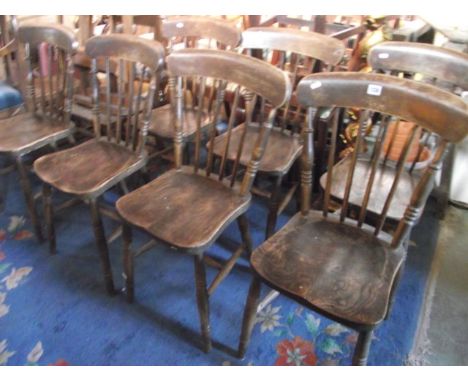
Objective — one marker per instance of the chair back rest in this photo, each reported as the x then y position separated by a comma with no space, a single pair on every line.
382,100
220,33
298,52
48,52
249,78
436,64
139,62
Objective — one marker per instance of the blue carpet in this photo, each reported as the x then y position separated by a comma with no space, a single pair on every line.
54,310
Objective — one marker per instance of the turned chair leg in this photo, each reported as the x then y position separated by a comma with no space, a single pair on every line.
49,217
245,234
102,246
273,206
361,351
29,197
128,261
249,316
202,301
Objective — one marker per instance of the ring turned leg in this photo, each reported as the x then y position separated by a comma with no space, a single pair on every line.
273,206
202,301
245,234
102,246
128,262
361,352
249,316
49,217
28,195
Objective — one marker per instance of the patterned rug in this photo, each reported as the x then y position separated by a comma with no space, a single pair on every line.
54,309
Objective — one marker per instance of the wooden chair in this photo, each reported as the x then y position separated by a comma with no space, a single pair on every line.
47,119
190,206
441,67
297,52
88,170
337,266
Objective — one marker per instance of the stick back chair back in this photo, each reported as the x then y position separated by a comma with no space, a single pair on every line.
191,30
252,78
298,52
439,66
340,267
48,65
430,109
138,61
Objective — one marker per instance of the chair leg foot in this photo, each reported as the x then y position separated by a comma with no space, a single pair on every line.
202,301
49,217
273,208
128,262
102,246
28,195
361,352
249,316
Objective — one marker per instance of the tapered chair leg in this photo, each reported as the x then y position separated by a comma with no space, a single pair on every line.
102,246
361,352
128,261
273,206
249,316
202,301
49,217
245,234
28,195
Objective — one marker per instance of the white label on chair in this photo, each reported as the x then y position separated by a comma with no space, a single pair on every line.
383,56
315,84
374,90
180,25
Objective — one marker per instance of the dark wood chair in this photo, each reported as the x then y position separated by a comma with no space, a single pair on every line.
335,265
441,67
88,170
298,53
190,206
47,119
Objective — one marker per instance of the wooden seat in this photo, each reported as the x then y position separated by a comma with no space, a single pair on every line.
189,207
25,132
335,264
281,151
163,124
382,184
88,169
177,189
351,277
